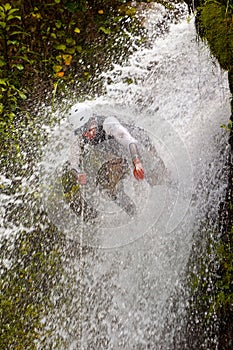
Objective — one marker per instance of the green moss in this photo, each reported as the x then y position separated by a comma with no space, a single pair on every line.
216,23
224,295
26,287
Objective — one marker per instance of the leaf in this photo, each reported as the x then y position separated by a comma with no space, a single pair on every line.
36,15
131,11
2,63
67,59
2,82
12,11
12,42
104,30
22,95
70,41
60,47
57,68
77,30
60,74
7,7
13,17
87,75
15,32
58,24
59,59
3,24
70,50
11,115
2,14
79,48
18,66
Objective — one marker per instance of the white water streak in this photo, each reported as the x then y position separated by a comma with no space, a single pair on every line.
180,97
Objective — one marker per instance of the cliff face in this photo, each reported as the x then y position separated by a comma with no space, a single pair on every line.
214,24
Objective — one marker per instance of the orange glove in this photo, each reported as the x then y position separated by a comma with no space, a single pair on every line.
138,171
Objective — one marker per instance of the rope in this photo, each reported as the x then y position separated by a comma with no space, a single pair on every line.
82,187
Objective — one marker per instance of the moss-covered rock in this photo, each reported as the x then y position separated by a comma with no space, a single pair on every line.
216,22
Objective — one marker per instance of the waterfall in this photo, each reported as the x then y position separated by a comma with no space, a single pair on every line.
133,268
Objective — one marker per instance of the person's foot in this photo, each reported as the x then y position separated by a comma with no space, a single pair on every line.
125,202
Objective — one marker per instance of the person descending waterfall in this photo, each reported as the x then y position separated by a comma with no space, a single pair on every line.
107,172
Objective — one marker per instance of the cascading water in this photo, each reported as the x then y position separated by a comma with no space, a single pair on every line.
131,269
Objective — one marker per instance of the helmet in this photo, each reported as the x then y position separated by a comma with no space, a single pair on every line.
80,114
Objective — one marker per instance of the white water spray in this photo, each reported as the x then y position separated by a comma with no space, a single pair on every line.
179,97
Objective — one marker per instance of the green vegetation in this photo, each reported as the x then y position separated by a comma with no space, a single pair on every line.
30,267
27,269
26,287
224,296
216,26
47,50
214,22
50,47
9,63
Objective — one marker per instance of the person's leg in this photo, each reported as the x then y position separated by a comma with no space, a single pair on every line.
110,178
123,200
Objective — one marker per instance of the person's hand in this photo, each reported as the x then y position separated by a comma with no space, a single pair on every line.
138,171
82,179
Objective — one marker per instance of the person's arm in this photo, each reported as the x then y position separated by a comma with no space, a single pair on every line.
113,128
75,152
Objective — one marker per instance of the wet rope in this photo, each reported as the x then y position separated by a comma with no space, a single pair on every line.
82,191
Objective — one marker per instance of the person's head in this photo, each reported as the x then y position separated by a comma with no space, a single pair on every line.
90,129
81,116
87,123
